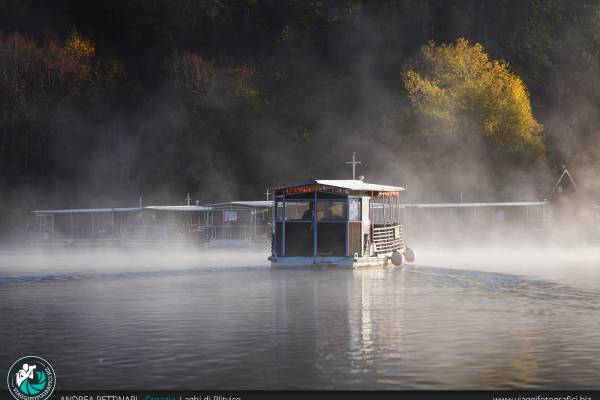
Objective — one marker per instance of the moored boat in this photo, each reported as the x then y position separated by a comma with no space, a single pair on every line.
345,223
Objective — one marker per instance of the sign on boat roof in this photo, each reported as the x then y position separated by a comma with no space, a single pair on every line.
347,184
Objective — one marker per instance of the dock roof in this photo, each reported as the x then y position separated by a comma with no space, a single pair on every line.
259,204
468,205
85,210
243,204
178,208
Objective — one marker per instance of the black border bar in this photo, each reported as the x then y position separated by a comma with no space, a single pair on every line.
201,394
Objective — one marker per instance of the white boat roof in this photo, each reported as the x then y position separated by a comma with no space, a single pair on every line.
466,205
359,185
350,184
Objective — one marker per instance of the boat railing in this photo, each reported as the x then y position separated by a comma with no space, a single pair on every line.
388,238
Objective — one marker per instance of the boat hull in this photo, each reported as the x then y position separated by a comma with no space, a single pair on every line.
338,262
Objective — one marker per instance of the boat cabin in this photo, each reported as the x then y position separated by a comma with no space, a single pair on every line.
345,222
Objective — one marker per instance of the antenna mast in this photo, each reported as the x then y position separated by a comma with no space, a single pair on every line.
354,163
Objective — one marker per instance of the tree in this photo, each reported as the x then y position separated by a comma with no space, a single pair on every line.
203,81
192,76
37,83
458,90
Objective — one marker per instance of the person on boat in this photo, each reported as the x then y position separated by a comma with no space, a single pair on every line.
308,214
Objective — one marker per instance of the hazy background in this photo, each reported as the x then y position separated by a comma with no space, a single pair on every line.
103,101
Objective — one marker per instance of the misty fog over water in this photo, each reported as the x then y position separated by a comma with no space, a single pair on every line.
459,318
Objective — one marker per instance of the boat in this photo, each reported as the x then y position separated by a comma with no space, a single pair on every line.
342,223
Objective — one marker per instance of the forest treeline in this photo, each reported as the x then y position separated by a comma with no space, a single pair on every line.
103,101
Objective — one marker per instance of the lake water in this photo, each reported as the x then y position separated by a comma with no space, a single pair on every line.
213,323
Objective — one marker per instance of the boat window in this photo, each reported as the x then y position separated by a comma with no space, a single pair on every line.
299,210
331,210
354,209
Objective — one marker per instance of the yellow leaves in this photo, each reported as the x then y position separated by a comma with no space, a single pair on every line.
81,51
81,48
428,98
456,88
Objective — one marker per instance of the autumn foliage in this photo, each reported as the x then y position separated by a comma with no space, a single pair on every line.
457,89
198,79
192,75
51,73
